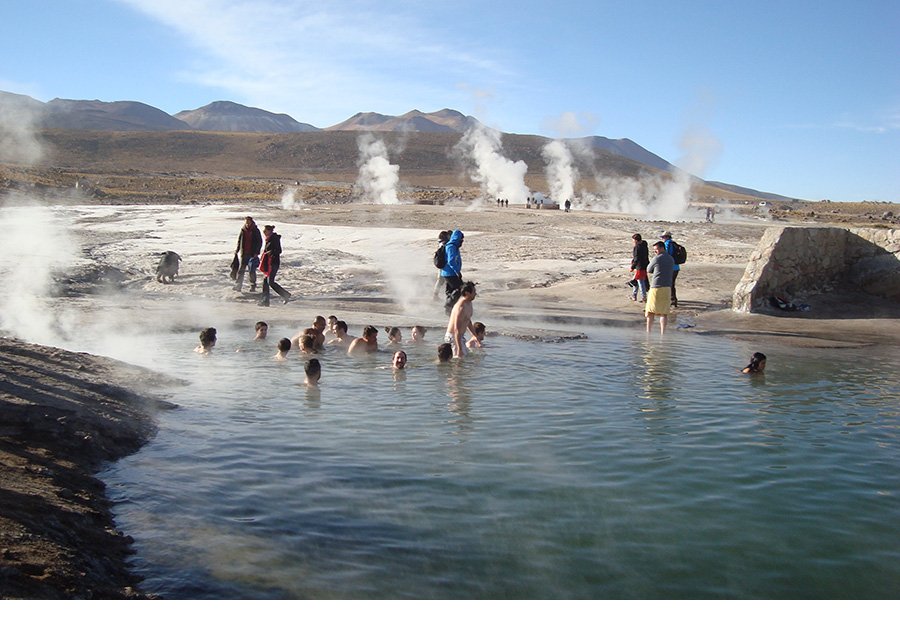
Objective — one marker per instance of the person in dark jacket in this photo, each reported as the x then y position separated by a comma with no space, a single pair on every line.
640,258
269,264
452,271
249,244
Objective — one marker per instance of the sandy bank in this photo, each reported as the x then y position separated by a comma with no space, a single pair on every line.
64,414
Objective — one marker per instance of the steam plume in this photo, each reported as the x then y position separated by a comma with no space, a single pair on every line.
560,172
377,179
481,150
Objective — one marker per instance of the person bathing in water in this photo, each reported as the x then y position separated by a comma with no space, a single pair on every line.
313,370
461,320
477,339
366,344
207,341
284,346
757,363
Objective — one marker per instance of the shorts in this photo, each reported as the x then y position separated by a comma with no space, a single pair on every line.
659,300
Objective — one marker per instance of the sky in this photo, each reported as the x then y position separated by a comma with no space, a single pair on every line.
795,97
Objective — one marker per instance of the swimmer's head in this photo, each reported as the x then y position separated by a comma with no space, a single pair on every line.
370,332
340,327
208,337
445,352
284,345
479,329
307,343
262,329
417,333
313,369
757,363
319,323
394,334
399,360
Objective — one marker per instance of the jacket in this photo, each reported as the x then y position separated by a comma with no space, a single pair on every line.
670,248
454,260
271,256
256,241
640,256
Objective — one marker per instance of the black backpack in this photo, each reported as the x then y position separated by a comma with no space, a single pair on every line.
440,257
680,254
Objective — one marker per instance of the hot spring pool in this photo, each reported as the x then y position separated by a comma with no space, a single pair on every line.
620,466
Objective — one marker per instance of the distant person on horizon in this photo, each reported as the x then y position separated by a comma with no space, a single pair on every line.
452,271
757,363
249,244
461,320
269,264
660,298
207,341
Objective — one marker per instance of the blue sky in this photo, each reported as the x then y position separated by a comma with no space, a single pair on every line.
800,98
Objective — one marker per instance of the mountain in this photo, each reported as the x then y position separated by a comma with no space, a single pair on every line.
733,188
626,148
445,120
97,115
224,116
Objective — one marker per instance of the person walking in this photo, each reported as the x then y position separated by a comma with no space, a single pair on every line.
249,244
659,300
269,264
452,271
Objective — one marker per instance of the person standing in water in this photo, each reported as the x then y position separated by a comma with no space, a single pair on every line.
269,264
249,244
660,299
461,320
452,271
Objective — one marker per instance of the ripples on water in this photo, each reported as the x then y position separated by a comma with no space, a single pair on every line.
615,467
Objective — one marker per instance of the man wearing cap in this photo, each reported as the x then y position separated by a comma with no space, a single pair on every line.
660,297
670,250
249,245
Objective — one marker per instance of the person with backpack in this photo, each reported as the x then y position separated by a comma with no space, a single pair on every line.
452,270
679,255
440,260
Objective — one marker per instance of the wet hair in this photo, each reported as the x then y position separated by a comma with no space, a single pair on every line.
261,324
208,337
332,318
313,367
307,342
392,332
444,236
468,287
420,329
341,325
397,353
755,360
445,352
284,345
370,331
320,319
478,327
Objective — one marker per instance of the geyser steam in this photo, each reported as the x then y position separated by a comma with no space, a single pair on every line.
481,150
378,179
560,171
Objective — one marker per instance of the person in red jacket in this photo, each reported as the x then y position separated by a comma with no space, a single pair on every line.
269,263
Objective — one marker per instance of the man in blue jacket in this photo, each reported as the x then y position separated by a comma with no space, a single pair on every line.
670,249
452,271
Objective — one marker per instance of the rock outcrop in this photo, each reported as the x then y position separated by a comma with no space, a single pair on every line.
792,262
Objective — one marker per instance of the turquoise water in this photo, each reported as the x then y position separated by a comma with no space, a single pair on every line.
613,467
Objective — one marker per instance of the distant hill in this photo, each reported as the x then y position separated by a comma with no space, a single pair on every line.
445,120
224,116
745,191
97,115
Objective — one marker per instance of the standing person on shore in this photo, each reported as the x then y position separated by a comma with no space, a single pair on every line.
670,250
640,258
660,299
441,253
269,264
452,271
249,244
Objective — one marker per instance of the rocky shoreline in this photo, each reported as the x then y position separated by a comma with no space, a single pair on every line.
64,415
